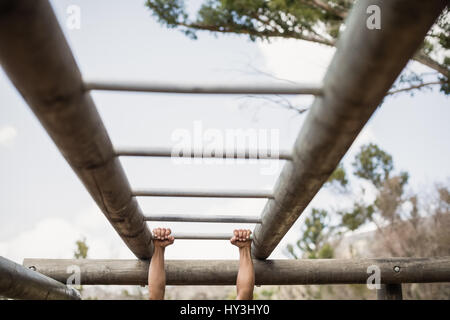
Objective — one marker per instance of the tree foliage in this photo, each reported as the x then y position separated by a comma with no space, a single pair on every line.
318,21
315,236
377,167
339,176
81,251
256,18
373,164
356,216
405,225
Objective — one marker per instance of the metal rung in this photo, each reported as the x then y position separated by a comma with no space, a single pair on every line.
200,218
203,236
205,193
204,88
167,152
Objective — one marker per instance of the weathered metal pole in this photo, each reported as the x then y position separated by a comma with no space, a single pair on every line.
365,65
275,88
201,193
390,291
203,236
225,154
203,218
36,57
268,272
18,282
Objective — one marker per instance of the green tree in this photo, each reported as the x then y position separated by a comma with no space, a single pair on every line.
373,164
339,177
405,226
81,251
377,167
316,232
318,21
356,216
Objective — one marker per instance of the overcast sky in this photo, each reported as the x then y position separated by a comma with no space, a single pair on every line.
43,206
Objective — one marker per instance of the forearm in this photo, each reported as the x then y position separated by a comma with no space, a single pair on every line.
157,275
246,275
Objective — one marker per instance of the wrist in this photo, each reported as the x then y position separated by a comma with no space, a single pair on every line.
244,250
159,249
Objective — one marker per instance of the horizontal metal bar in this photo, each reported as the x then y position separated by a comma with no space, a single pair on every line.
285,89
168,152
202,193
18,282
267,272
203,218
203,236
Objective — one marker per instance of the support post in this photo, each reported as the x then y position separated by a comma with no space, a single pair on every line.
365,65
18,282
390,291
37,59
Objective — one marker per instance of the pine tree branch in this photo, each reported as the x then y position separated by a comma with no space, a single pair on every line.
429,62
318,39
264,34
322,5
420,57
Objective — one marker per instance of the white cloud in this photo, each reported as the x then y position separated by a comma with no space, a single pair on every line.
7,135
54,238
50,238
296,60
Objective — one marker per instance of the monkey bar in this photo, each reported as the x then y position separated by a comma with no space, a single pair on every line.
36,57
267,272
233,154
185,217
203,236
201,193
18,282
285,89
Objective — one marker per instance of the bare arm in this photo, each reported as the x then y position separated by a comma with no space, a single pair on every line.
156,272
246,275
157,275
